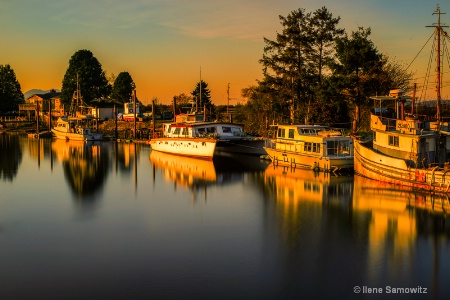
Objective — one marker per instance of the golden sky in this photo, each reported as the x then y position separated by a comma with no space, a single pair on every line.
163,44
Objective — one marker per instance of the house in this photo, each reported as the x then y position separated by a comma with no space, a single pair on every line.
42,101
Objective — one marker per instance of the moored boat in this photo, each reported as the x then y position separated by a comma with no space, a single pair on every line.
74,129
407,150
191,128
77,125
311,147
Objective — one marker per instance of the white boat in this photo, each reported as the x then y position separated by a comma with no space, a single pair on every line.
183,139
79,122
230,137
311,147
408,151
74,129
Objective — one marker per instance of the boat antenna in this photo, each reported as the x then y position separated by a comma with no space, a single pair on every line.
438,31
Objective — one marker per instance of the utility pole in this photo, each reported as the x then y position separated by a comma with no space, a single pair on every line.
228,104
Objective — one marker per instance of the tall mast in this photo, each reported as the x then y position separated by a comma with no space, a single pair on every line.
438,30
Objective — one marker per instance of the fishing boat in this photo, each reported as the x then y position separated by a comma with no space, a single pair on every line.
78,124
314,147
71,128
408,150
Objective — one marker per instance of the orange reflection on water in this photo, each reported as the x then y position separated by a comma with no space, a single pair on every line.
184,171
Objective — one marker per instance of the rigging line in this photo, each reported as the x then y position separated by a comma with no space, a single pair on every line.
419,51
423,93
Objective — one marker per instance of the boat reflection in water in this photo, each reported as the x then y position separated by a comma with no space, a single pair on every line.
197,174
293,185
85,165
184,171
405,228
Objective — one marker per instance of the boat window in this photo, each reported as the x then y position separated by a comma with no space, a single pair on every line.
291,133
176,130
311,147
344,148
393,140
307,147
316,148
331,147
336,147
226,129
236,129
184,132
210,130
281,132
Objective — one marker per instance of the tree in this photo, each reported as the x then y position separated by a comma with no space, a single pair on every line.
201,94
183,100
10,91
85,68
294,63
356,70
123,88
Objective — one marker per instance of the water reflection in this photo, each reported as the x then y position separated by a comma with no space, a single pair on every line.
196,175
400,220
292,185
192,173
11,156
85,164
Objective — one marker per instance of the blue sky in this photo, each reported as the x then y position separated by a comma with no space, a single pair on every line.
164,43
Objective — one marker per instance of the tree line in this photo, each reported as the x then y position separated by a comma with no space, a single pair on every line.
313,72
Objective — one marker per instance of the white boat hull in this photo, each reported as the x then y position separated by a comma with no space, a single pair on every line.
193,147
77,136
301,160
376,166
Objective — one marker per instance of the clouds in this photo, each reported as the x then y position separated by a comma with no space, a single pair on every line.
203,19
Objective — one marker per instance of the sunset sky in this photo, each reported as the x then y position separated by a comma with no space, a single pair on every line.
163,44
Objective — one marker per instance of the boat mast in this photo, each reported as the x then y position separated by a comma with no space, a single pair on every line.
438,30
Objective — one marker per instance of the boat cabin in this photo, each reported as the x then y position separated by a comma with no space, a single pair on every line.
417,139
313,140
203,129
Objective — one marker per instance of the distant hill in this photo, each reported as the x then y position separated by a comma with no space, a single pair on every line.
36,91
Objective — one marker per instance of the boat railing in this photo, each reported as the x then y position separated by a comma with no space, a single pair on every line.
390,123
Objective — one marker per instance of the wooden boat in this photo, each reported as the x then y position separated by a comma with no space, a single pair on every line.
312,147
408,151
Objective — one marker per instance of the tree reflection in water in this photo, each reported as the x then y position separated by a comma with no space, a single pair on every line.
11,156
85,164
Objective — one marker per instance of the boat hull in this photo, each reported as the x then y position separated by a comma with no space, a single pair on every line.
374,165
77,136
193,147
242,146
301,160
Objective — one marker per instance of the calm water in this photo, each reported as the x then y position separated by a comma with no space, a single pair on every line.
118,221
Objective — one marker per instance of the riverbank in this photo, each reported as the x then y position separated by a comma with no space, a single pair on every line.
125,130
